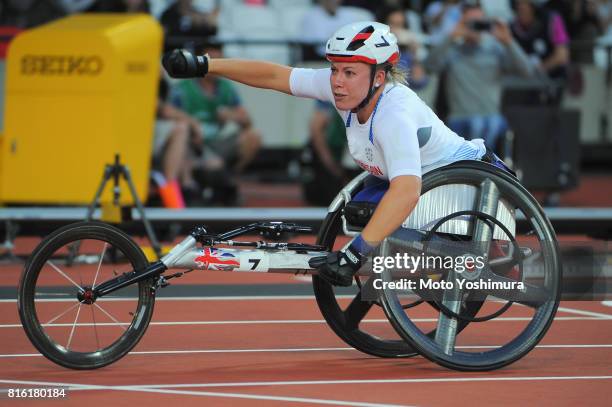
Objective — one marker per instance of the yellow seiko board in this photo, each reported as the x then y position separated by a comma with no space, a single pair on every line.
78,91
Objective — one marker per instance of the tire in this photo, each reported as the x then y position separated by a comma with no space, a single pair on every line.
37,282
511,190
339,320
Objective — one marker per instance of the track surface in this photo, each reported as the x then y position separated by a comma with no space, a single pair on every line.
262,350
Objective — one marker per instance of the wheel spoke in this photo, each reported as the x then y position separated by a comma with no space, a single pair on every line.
99,265
110,316
93,317
531,296
63,313
73,326
524,255
357,310
503,262
65,276
446,330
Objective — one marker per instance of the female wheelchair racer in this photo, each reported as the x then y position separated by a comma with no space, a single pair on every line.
464,194
391,133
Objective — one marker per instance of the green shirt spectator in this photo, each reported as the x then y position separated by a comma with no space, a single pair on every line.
192,98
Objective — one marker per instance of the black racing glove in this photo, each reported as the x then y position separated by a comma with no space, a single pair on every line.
181,63
338,268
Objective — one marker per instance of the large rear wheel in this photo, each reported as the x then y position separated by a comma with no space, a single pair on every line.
513,320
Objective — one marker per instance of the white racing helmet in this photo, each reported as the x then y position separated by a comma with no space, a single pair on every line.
364,41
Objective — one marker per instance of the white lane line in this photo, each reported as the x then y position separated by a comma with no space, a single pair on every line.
606,303
174,323
228,298
71,386
148,389
224,298
153,389
582,312
76,386
293,321
260,397
196,351
374,381
197,298
279,350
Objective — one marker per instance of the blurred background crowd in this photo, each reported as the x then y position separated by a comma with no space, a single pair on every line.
484,66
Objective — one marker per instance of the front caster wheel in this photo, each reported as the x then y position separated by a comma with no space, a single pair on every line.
58,310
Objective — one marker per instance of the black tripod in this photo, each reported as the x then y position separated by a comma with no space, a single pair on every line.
116,171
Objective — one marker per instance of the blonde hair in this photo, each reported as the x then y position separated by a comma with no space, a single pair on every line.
397,74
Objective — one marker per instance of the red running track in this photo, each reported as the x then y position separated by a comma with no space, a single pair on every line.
280,352
246,351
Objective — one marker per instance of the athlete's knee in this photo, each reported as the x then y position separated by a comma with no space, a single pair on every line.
180,130
251,138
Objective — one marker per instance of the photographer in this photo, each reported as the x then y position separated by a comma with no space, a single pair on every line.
409,44
542,34
475,57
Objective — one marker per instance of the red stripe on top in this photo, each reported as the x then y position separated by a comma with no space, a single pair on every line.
350,58
393,59
361,36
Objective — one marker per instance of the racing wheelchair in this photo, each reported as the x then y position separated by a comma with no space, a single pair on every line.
92,275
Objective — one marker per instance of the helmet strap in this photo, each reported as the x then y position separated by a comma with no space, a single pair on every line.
371,92
387,68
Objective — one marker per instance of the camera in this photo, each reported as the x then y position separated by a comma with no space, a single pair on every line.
480,25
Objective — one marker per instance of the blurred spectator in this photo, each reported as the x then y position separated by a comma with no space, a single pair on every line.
604,15
75,6
323,19
225,124
476,55
328,138
375,7
121,6
29,13
441,17
409,47
323,170
542,35
501,9
175,132
583,26
372,6
182,19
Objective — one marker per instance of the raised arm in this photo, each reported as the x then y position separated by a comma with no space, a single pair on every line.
259,74
514,59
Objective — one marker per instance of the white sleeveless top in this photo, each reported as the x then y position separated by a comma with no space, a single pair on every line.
403,136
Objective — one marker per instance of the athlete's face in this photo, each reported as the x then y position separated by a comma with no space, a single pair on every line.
350,82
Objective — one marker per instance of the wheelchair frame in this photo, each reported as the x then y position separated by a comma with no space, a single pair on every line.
277,257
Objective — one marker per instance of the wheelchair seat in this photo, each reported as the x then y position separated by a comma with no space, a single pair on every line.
433,204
